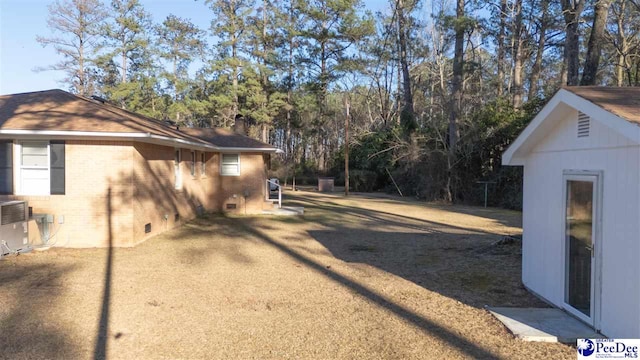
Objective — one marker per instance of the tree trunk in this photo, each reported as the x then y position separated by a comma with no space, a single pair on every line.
501,48
124,62
536,69
572,11
456,96
518,86
407,96
346,148
81,76
622,48
596,39
234,78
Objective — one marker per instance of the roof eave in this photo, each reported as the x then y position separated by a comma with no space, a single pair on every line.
141,137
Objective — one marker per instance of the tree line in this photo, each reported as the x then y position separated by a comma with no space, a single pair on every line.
435,90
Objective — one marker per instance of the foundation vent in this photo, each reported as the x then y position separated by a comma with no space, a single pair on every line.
231,206
584,125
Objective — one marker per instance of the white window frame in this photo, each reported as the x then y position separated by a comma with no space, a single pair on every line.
18,174
203,163
222,163
177,169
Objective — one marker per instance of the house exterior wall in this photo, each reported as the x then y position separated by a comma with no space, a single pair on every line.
157,201
95,172
113,189
246,191
543,213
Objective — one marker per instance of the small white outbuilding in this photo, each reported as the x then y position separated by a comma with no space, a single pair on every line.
581,205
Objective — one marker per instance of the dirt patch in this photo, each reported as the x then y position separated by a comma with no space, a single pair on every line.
362,277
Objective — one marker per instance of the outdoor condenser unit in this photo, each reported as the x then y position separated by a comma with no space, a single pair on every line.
14,228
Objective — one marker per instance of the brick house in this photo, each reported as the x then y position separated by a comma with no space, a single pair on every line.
105,176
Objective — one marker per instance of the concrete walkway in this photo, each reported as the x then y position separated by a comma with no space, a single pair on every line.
546,325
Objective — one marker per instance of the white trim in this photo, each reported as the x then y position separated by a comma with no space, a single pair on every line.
18,169
143,137
560,105
237,173
595,177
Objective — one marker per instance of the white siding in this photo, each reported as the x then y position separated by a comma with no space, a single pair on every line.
543,266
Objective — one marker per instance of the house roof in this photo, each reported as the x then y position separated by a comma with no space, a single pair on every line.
615,107
621,101
57,113
224,138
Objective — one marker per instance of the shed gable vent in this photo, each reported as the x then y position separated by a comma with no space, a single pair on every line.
584,125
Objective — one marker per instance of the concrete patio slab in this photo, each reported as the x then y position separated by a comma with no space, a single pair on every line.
545,325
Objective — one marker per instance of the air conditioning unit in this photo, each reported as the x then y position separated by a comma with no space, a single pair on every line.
14,227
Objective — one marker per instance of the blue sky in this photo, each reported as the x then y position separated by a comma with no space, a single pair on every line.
22,20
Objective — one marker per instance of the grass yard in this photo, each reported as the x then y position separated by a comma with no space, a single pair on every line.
367,277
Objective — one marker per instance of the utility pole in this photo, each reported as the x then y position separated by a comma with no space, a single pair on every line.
346,148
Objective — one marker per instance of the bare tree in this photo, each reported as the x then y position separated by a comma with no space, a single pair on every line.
624,36
75,35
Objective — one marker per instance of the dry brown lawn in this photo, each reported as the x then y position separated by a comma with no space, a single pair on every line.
368,277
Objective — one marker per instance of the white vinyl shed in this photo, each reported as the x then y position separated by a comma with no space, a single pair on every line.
581,205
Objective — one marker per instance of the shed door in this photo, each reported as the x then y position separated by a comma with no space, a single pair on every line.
581,225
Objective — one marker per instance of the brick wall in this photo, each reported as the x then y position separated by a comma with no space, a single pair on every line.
248,190
157,201
114,189
93,171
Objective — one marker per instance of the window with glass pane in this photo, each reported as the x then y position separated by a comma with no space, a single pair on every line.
34,168
203,163
176,169
230,165
193,163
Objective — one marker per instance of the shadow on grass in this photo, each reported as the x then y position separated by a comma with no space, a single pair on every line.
461,267
27,329
202,246
469,348
100,349
327,202
467,264
333,211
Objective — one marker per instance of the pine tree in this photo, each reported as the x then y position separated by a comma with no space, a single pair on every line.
330,30
231,28
179,42
75,25
129,42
